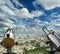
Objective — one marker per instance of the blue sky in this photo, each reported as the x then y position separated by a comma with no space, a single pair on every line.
29,16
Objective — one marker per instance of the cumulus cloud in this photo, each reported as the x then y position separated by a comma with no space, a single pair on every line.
22,13
58,25
41,23
23,28
11,11
36,13
5,24
5,8
2,15
54,24
7,20
38,22
7,2
47,4
10,4
18,13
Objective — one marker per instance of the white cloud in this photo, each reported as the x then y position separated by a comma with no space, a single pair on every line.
22,13
10,9
41,23
55,15
54,24
5,24
46,22
7,10
2,15
23,28
8,2
58,25
6,20
18,3
36,13
16,13
38,22
47,4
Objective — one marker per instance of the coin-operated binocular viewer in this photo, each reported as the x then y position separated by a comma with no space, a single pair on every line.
8,43
53,41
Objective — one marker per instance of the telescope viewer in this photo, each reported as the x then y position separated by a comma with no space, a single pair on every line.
8,42
53,40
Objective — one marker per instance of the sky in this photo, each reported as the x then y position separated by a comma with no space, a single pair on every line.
29,16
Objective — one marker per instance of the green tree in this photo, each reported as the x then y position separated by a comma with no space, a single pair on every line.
25,51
